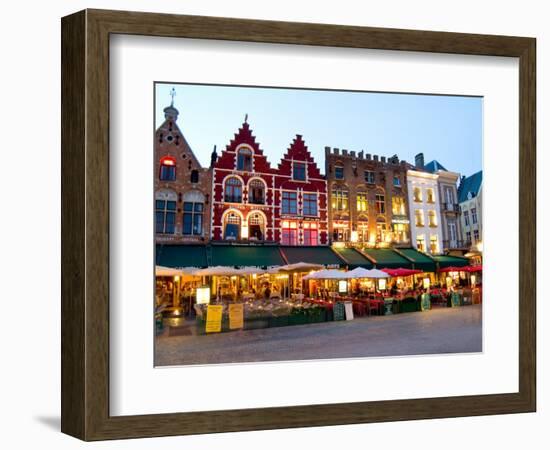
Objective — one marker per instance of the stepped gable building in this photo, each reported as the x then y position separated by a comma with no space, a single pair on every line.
301,211
255,203
182,186
368,198
243,192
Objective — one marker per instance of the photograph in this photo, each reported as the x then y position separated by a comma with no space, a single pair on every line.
297,224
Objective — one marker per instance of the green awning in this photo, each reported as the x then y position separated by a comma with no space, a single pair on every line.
420,260
444,261
180,255
315,255
354,258
387,258
246,255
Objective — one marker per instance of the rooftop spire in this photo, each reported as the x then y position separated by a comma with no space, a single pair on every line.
246,118
170,112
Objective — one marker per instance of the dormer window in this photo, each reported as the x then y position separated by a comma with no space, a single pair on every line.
299,171
244,159
167,169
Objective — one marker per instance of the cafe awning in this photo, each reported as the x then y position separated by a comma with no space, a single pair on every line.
317,255
444,261
246,256
353,257
180,255
420,260
387,258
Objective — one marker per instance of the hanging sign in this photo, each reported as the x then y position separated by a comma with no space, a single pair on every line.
236,316
214,318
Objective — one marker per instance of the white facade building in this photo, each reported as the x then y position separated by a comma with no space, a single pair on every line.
425,213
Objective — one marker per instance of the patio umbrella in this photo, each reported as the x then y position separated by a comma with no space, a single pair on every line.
249,270
475,268
329,274
161,271
401,272
300,266
375,273
218,270
359,272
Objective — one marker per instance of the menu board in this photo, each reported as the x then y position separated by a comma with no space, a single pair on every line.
236,316
455,299
425,303
339,311
214,318
349,310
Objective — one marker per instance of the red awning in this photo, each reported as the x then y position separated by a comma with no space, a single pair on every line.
476,268
400,272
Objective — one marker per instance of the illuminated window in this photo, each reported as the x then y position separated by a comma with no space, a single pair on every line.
339,172
256,227
299,171
256,192
232,226
417,194
340,199
362,202
233,190
311,234
430,195
432,219
421,243
167,169
244,159
381,229
363,231
400,232
434,246
419,217
289,204
310,204
290,233
380,203
340,232
398,206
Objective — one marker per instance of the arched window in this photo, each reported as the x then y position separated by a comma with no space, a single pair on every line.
233,190
256,192
256,227
381,229
232,226
167,169
244,159
165,212
194,176
193,210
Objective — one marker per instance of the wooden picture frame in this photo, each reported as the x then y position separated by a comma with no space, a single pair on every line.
85,224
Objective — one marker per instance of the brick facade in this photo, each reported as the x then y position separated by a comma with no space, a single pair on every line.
182,187
368,198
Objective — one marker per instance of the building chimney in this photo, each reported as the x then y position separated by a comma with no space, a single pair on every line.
419,161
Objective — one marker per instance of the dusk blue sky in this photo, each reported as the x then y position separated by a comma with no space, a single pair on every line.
446,128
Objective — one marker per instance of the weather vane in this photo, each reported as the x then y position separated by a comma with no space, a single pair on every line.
172,94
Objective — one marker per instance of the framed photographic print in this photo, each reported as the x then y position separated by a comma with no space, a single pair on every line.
273,225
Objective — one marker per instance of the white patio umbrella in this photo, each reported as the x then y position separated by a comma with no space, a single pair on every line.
375,273
329,274
250,270
303,266
218,271
161,271
358,272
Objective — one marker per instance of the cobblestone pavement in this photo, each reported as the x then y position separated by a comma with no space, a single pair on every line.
443,330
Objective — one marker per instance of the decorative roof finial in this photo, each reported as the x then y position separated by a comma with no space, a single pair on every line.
172,94
246,118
